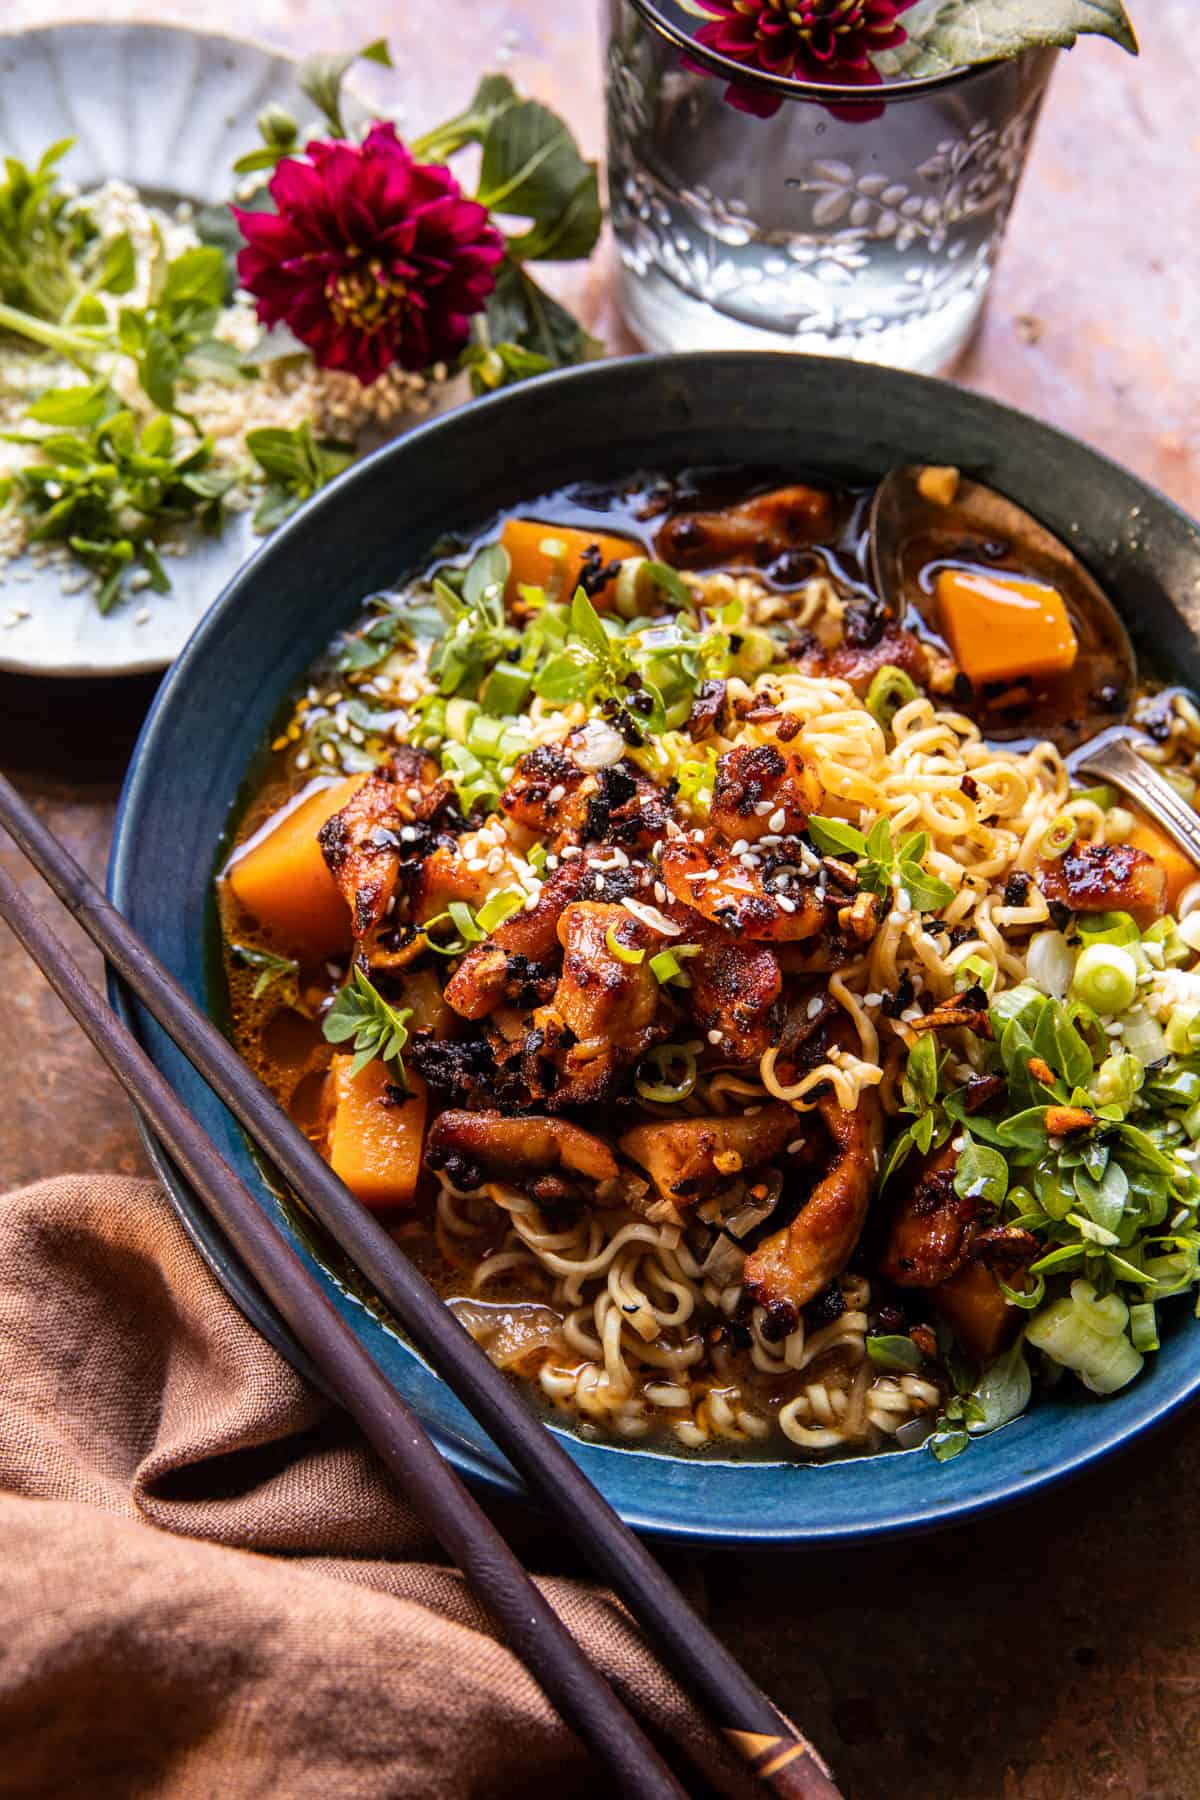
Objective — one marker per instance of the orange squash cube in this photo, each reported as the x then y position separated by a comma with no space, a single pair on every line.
375,1140
282,880
1180,870
533,566
1001,627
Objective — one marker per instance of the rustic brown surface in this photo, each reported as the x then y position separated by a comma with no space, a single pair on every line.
1053,1652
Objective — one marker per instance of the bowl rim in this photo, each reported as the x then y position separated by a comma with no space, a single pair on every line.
1160,1401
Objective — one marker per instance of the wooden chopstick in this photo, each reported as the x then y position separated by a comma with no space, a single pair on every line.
526,1621
767,1741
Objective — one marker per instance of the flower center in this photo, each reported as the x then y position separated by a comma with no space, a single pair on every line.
366,299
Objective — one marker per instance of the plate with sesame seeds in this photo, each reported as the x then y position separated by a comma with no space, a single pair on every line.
123,139
355,882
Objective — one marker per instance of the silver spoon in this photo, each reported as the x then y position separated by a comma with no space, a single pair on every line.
915,528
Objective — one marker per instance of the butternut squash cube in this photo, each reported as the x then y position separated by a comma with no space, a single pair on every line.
283,882
1180,870
558,573
1001,627
375,1139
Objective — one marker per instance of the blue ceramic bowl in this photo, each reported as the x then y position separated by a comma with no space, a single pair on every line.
215,707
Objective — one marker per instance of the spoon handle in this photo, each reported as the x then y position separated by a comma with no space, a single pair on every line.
1119,763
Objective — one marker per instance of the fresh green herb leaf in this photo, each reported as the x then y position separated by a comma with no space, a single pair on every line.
948,34
320,79
834,837
271,967
360,1013
296,465
895,1353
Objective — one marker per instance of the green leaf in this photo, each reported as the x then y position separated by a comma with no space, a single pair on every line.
920,1084
894,1353
896,1157
196,275
1003,1391
531,168
488,571
83,405
520,313
361,1014
271,967
320,78
949,1443
494,94
1024,1130
1104,1200
927,893
980,1173
834,837
669,580
948,34
118,266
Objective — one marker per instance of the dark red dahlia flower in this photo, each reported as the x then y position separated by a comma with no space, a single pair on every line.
828,41
371,258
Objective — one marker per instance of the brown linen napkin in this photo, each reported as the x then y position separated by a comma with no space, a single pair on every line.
209,1586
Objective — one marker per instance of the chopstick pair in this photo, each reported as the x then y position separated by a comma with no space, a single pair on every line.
768,1743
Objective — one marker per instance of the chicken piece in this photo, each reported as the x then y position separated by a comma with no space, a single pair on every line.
723,890
471,1146
1106,878
606,1002
687,1159
791,1266
735,988
932,1226
754,531
859,663
941,1241
362,845
763,790
544,793
481,980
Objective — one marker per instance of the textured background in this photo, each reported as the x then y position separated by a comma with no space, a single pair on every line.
1053,1652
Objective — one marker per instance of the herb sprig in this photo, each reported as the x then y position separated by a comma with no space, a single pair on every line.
880,862
362,1015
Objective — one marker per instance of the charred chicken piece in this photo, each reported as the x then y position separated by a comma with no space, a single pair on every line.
544,793
932,1226
687,1159
1106,878
761,790
470,1147
941,1241
859,663
755,531
723,890
735,990
482,978
362,844
793,1265
612,1007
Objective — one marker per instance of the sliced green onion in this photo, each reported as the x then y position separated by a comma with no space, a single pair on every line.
498,907
1103,797
1107,928
1058,836
974,971
1119,825
535,856
1144,1037
484,735
1143,1326
894,1352
1105,978
623,952
507,689
667,966
656,1069
464,922
889,691
459,713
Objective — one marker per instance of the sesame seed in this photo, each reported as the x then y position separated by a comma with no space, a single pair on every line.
476,864
872,999
714,1036
334,969
568,851
795,1145
660,893
599,884
697,836
778,819
786,905
815,1005
740,848
408,834
413,796
557,792
495,862
762,809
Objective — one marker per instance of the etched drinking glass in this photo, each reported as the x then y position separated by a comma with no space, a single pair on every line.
865,231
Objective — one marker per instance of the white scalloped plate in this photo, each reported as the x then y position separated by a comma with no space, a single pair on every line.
169,110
